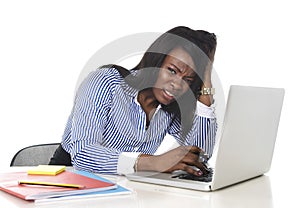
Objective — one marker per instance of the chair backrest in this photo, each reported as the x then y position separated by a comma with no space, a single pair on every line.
34,155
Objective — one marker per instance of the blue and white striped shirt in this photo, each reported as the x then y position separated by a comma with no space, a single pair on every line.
107,123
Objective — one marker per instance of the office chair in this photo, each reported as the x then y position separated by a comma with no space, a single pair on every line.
34,155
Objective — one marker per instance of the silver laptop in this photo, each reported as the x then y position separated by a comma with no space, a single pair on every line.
246,141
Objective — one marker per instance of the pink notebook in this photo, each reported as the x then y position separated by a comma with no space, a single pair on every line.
9,183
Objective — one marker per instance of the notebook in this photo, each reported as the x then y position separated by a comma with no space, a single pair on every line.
9,182
119,190
246,141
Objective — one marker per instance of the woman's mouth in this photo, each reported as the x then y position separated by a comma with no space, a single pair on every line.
169,94
165,96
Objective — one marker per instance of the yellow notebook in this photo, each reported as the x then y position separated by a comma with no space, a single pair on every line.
46,170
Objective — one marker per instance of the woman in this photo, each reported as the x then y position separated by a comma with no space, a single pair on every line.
120,117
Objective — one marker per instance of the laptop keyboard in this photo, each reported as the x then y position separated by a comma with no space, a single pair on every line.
204,178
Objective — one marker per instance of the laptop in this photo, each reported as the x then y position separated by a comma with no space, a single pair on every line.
245,143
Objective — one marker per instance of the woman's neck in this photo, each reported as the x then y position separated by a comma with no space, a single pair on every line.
148,103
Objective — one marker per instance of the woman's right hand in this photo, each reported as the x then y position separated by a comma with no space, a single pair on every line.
181,158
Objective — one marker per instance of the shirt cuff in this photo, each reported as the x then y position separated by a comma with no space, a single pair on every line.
204,110
126,162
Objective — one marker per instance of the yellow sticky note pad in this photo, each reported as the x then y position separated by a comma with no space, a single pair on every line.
46,170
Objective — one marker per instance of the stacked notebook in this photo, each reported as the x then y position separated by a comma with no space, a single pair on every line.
42,183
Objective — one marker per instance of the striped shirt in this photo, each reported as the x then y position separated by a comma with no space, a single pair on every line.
107,126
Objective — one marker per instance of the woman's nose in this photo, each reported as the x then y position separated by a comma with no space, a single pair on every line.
177,83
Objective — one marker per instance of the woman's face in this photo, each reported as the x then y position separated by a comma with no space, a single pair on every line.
175,76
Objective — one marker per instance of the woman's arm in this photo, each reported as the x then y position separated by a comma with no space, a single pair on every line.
180,158
203,131
84,132
207,90
200,140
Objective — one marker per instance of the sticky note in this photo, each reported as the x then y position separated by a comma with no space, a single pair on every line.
46,170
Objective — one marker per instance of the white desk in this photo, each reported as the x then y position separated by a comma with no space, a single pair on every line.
256,193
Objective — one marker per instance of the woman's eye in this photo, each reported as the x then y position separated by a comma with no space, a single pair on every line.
171,70
189,81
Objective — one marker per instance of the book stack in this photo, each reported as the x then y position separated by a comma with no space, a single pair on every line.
55,183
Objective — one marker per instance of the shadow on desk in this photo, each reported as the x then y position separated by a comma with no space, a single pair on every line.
252,193
122,201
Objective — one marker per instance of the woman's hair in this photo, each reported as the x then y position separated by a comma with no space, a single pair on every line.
199,44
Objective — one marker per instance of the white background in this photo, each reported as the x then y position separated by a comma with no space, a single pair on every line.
44,45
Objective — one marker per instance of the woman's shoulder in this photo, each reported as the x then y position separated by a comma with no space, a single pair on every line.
100,84
104,76
101,79
108,72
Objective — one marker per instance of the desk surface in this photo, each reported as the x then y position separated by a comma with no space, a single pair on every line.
259,192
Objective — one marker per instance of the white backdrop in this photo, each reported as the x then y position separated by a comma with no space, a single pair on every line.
44,45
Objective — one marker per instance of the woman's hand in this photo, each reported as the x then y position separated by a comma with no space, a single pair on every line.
181,158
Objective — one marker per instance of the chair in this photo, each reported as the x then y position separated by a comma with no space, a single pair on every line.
34,155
